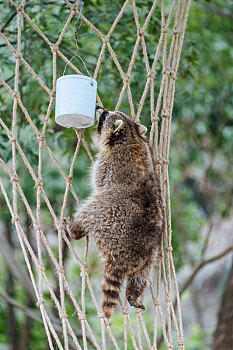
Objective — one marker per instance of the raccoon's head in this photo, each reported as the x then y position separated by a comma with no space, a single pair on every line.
117,128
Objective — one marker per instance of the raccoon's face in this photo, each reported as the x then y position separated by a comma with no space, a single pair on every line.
117,128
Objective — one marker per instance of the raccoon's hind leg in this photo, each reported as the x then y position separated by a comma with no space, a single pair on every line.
134,289
74,228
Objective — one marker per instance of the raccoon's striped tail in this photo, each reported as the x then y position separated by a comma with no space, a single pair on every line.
110,294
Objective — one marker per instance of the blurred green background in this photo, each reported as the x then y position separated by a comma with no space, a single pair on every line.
200,165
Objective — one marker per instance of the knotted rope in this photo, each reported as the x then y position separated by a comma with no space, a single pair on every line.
161,106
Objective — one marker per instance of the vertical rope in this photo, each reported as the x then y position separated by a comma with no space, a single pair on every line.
164,105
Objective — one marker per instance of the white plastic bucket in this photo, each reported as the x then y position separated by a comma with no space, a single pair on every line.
75,101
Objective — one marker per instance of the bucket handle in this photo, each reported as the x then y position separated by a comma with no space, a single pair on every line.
81,4
84,64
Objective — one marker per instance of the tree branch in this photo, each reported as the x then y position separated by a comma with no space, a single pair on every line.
36,316
202,264
193,275
8,21
11,42
10,78
14,266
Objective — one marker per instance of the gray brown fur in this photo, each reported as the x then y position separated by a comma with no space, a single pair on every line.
124,212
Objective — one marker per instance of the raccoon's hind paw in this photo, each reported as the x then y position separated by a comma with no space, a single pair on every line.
136,303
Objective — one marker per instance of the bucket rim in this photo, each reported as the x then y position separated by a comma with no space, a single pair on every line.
75,76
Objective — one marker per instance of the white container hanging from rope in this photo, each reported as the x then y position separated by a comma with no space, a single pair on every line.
75,101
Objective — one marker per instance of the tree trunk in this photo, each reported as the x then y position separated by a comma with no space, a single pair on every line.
27,327
223,337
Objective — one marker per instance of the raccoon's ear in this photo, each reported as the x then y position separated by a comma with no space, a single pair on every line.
142,129
118,125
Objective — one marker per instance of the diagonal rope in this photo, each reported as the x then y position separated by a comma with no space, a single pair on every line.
169,56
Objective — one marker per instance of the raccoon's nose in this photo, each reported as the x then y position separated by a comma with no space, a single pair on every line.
99,110
98,107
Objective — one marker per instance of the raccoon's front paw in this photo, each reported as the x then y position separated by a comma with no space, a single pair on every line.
67,221
68,224
73,228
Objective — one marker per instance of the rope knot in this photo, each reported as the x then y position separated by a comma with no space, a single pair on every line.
74,7
69,179
169,248
82,317
60,270
125,311
138,311
83,272
151,74
54,48
158,161
41,138
101,315
166,71
20,8
140,32
165,161
41,268
17,54
38,227
173,75
40,302
63,316
176,31
165,114
53,94
156,302
60,227
180,343
14,178
164,30
154,119
105,39
15,219
39,183
127,79
168,299
15,95
13,139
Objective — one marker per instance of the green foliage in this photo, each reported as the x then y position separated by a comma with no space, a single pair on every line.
202,141
196,341
202,133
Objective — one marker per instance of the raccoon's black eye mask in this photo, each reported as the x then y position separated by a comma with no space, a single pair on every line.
104,115
101,120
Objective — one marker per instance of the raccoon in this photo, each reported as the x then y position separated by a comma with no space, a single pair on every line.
124,212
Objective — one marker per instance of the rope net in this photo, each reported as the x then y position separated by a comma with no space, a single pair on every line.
167,321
